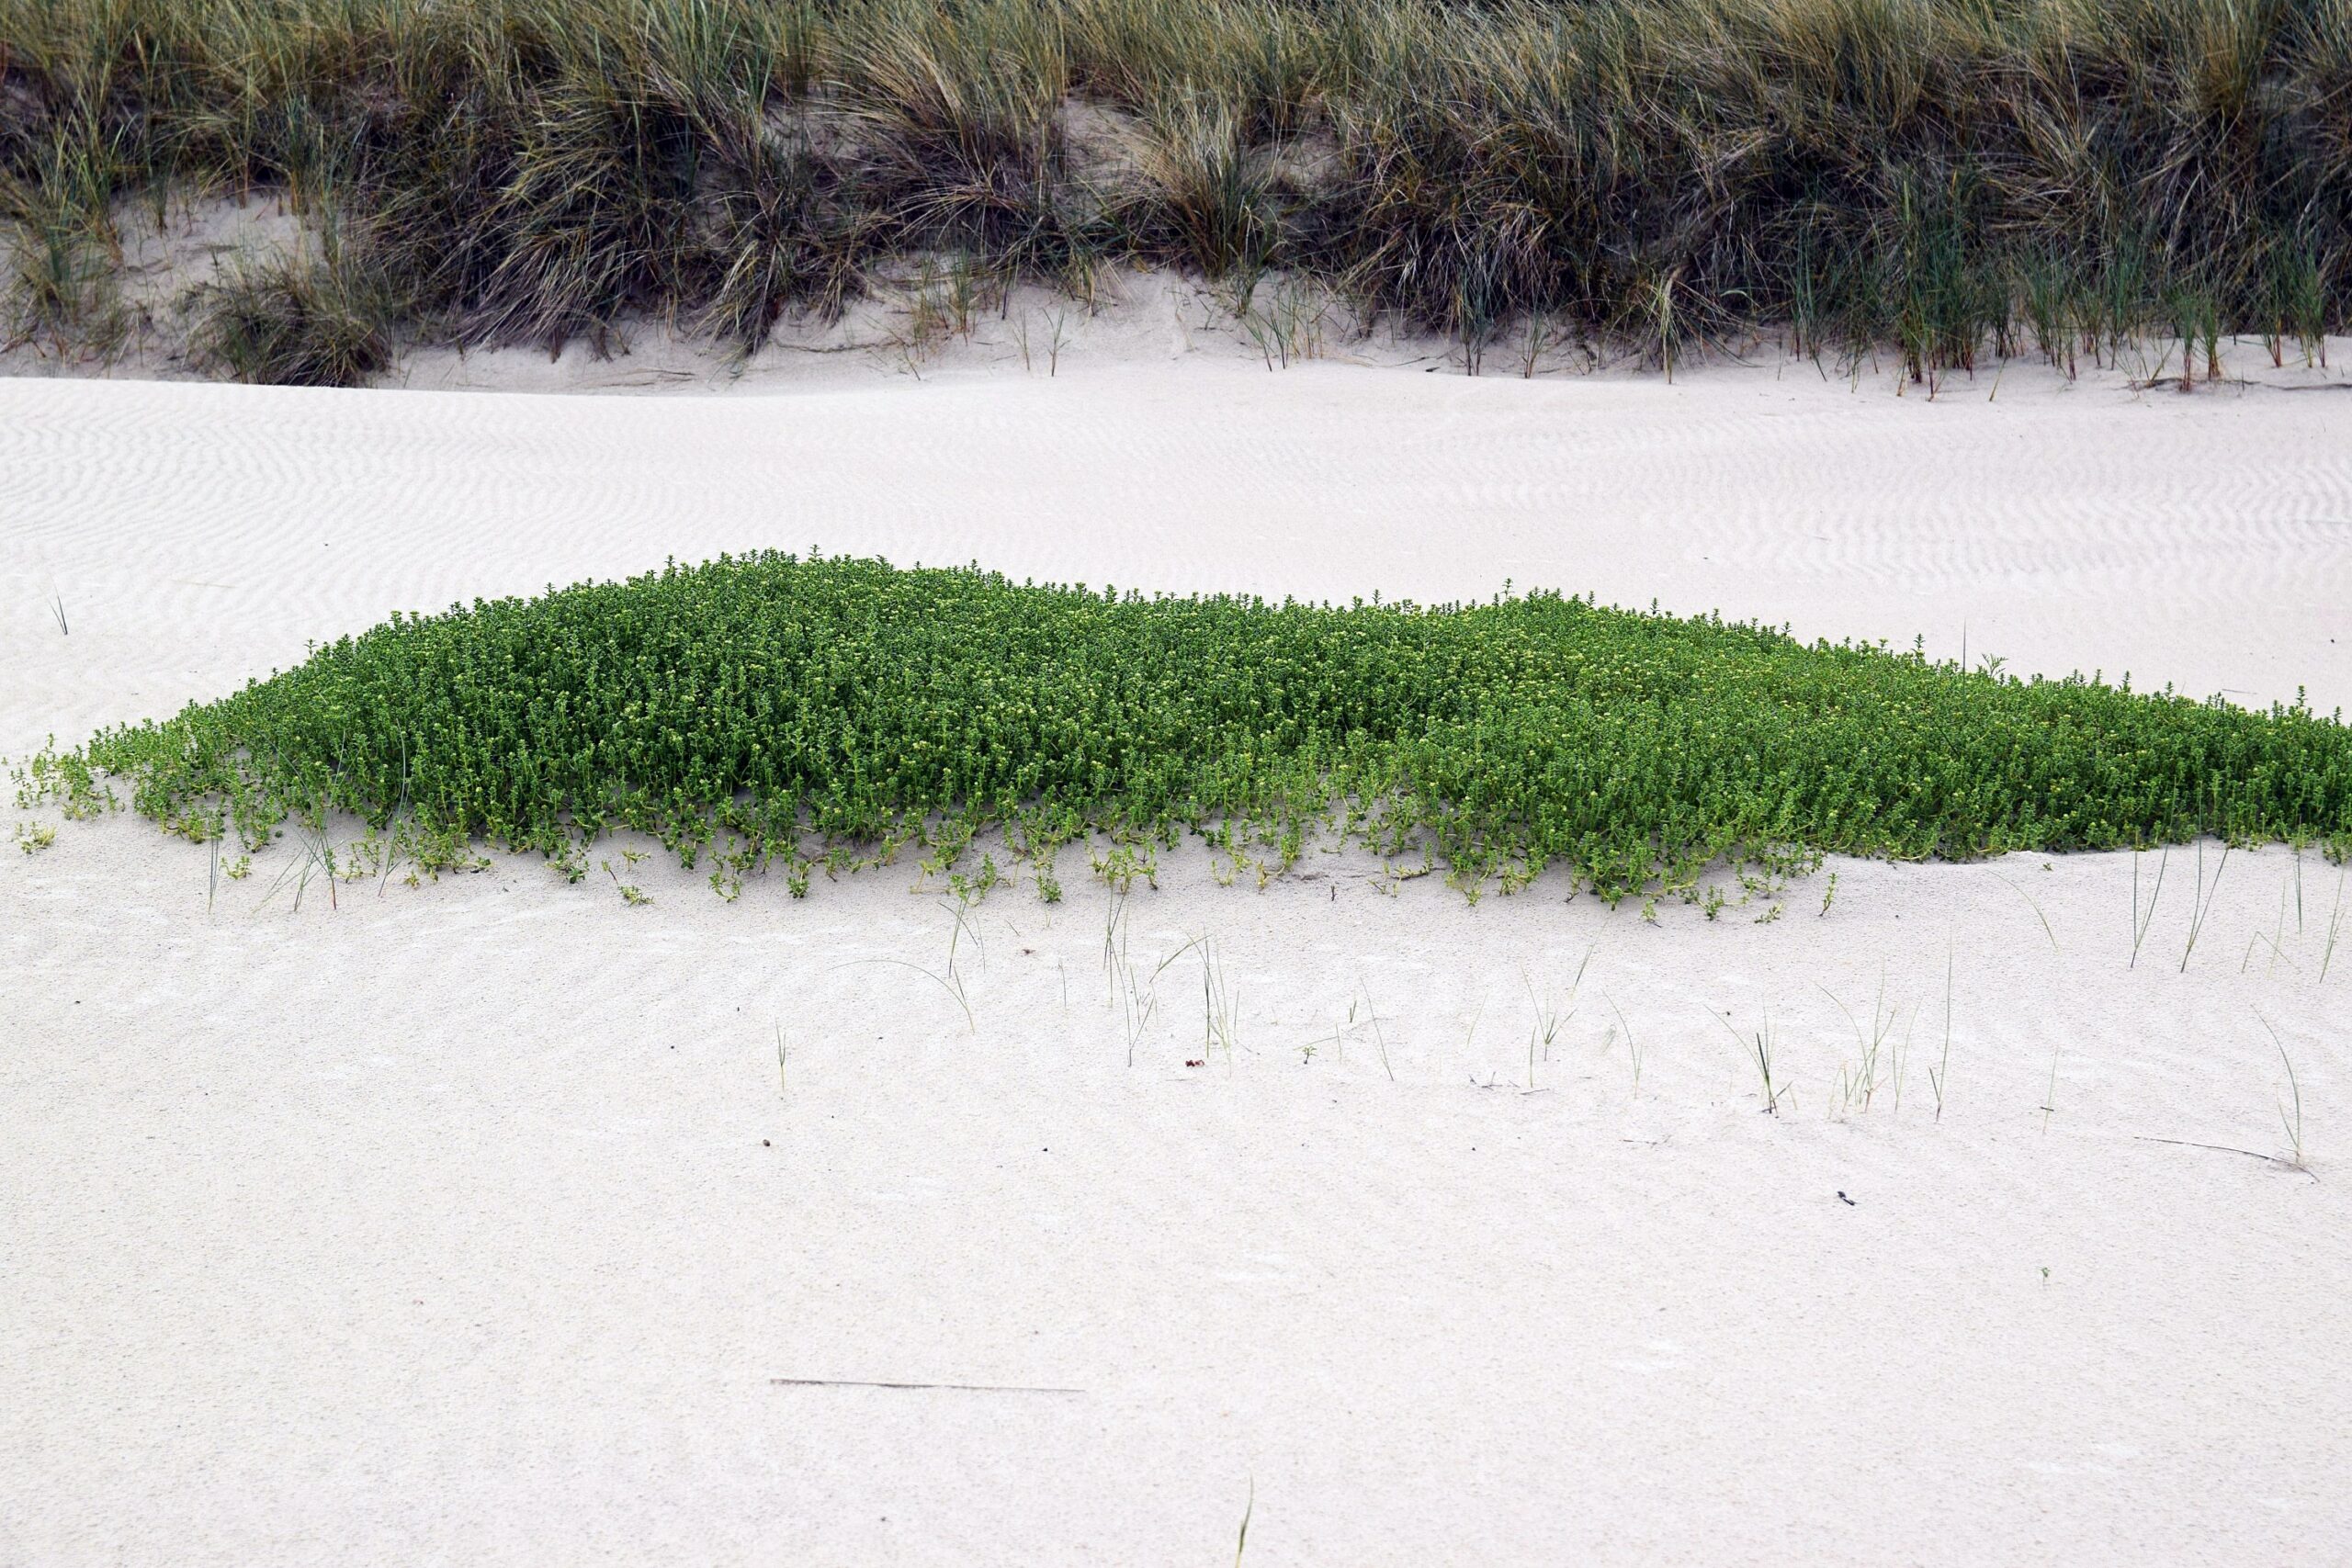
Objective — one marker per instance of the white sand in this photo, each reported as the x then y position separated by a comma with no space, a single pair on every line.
471,1224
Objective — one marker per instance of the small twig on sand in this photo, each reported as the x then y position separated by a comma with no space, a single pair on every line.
959,1387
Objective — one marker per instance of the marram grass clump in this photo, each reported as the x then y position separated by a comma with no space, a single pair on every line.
773,711
1956,180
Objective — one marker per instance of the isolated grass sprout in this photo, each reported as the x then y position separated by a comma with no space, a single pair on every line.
1632,1046
1549,1017
1863,1079
1759,1049
820,713
1379,1038
2035,905
2140,919
2290,1110
2201,904
2334,926
1220,1004
2291,1114
1940,1079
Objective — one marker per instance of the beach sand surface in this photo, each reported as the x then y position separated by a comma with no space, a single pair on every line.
481,1222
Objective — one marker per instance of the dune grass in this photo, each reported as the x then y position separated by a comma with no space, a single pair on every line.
772,711
1944,178
309,322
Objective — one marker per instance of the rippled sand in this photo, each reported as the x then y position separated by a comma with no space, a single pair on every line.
476,1223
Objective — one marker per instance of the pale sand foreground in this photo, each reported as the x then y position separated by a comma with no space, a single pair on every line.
471,1224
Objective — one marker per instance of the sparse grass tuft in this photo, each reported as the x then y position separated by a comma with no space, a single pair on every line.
1939,1078
2140,918
2201,903
293,323
1632,1046
1760,1048
2335,927
2290,1110
1203,198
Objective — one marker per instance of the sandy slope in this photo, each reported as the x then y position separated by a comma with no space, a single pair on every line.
471,1222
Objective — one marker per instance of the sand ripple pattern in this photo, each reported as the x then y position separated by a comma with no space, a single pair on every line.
471,1222
200,535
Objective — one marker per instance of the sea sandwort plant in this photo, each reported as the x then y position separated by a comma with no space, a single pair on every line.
770,711
631,894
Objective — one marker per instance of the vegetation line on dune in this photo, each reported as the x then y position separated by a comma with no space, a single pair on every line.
1943,178
829,712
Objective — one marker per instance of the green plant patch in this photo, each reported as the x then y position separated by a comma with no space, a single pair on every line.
773,711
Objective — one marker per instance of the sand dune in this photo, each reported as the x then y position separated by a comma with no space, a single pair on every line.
476,1223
